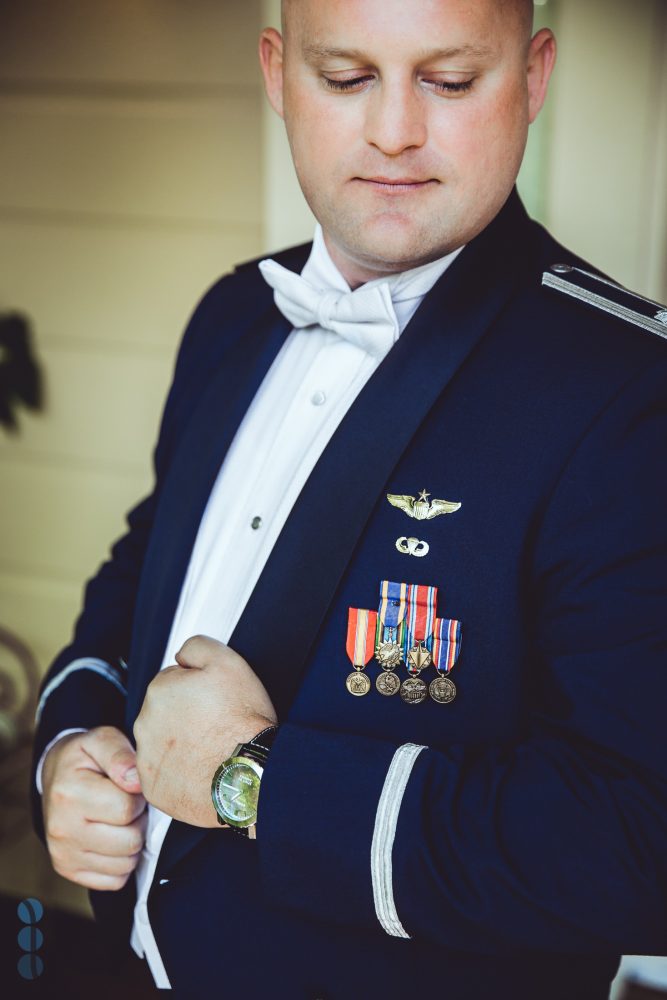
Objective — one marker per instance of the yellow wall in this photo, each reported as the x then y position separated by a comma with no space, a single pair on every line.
607,172
130,178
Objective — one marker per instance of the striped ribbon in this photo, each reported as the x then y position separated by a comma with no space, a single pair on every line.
391,612
422,603
360,645
447,638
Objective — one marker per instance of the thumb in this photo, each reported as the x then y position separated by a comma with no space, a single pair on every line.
116,757
198,651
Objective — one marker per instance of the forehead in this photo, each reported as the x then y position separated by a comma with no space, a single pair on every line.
436,22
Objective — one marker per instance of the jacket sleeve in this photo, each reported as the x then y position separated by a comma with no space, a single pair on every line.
556,841
85,685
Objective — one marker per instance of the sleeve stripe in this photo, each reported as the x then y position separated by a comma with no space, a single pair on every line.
384,835
97,666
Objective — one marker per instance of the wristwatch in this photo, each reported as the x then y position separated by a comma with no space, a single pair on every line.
235,785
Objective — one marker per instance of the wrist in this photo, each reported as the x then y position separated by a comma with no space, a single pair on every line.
236,784
50,756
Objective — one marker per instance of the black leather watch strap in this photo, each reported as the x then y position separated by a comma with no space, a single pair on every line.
259,747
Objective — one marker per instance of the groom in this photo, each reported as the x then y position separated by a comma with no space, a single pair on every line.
431,444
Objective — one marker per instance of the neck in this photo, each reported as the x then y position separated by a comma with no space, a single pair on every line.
355,272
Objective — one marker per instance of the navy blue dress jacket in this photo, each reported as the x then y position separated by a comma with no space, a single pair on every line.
530,846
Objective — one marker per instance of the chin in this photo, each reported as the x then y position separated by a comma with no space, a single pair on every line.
391,252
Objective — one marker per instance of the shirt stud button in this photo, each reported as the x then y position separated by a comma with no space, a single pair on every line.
256,523
318,398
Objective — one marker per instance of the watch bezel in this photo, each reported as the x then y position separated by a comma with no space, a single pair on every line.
218,802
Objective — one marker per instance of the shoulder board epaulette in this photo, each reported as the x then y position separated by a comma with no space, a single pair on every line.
606,295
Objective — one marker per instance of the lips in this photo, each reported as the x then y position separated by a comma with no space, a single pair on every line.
396,185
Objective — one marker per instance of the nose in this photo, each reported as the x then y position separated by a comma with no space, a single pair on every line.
395,118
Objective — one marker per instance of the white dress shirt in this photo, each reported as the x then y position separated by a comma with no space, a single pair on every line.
312,383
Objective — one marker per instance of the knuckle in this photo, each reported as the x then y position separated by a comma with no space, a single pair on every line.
60,793
129,866
64,870
126,810
100,734
136,844
54,835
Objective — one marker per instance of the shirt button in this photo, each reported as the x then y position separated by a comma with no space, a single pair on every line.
256,523
318,398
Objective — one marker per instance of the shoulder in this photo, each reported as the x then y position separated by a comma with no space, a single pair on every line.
598,292
230,305
589,314
230,291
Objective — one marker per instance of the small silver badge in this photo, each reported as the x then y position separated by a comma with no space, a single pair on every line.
412,547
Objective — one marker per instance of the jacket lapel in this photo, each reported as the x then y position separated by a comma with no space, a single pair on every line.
299,582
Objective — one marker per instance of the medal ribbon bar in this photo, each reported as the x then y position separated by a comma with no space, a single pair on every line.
446,644
422,601
361,625
391,613
393,603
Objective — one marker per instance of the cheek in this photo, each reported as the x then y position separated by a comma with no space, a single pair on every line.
320,130
484,135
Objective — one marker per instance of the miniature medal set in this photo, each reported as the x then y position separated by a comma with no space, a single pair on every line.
403,634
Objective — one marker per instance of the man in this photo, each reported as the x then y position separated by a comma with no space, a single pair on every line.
348,483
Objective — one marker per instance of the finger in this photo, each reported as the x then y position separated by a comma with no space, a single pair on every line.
113,754
104,864
95,880
87,795
115,841
99,800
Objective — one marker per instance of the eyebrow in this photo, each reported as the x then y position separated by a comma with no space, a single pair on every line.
313,52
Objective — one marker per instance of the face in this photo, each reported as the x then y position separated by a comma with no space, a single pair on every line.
407,119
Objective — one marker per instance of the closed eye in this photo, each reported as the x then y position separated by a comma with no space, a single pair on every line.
346,85
357,82
447,87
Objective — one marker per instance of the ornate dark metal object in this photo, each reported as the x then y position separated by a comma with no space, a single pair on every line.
19,685
20,376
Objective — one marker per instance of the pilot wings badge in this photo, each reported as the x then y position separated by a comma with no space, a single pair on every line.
421,509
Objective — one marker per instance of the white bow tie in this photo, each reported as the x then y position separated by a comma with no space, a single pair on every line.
364,317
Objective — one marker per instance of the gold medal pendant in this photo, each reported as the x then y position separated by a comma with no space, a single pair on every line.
388,654
388,683
358,683
361,628
419,657
442,690
413,691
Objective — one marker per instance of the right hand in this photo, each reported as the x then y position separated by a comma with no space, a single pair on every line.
94,812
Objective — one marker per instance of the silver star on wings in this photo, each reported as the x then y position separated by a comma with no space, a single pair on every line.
421,509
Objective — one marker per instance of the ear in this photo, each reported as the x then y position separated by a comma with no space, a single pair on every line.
271,61
541,61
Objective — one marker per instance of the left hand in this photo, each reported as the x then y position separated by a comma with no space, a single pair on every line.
192,718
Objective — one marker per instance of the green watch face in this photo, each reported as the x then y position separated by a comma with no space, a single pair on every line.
235,791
